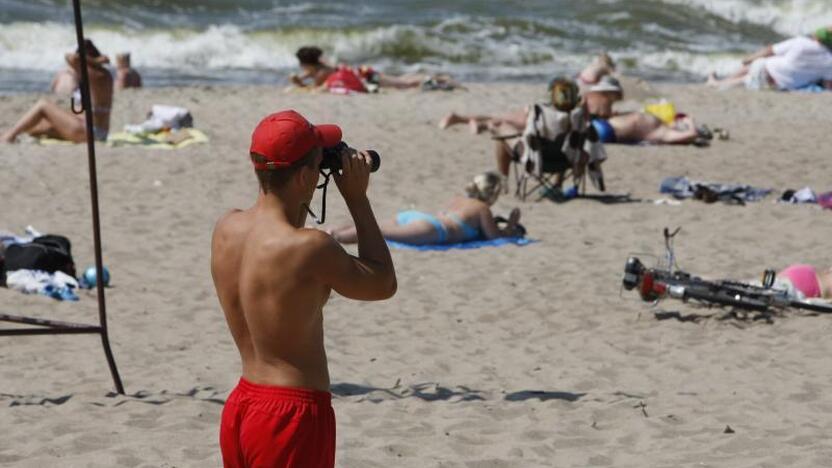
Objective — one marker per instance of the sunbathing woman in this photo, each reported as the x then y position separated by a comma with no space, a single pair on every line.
48,119
465,219
317,73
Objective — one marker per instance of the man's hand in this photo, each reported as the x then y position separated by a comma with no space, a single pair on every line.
355,175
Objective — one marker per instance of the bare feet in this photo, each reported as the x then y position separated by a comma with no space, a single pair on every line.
6,138
476,126
450,120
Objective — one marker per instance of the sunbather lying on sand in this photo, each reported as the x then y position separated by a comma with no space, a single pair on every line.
641,127
465,219
635,127
591,79
48,119
790,64
317,73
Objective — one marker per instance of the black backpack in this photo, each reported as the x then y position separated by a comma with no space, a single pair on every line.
48,253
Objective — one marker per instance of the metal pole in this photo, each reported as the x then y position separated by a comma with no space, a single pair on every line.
96,226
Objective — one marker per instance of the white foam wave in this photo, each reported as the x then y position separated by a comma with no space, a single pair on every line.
487,54
788,17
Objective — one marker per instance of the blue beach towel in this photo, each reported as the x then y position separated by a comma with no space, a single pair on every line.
812,88
477,244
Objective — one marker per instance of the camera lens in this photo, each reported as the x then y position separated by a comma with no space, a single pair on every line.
332,157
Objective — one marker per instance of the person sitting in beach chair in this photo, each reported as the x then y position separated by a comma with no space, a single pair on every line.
464,219
556,140
126,76
47,119
791,64
344,79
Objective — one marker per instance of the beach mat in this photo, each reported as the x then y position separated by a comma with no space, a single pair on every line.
159,140
478,244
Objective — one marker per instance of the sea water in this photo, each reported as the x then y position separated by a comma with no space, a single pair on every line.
254,41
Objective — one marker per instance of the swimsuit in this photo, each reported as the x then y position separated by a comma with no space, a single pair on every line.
605,131
99,134
266,425
804,278
406,217
468,232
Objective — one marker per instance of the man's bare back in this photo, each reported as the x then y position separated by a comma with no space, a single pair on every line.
273,310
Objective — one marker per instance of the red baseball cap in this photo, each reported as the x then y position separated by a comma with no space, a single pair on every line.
284,137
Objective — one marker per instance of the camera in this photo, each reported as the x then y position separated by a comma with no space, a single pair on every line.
332,157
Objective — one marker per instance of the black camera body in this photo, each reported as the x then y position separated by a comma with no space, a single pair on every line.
332,157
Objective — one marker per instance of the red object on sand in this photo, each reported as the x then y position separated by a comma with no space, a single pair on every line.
345,81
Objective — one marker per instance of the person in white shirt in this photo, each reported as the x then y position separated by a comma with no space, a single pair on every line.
790,64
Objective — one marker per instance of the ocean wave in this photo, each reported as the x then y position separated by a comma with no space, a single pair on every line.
489,49
787,17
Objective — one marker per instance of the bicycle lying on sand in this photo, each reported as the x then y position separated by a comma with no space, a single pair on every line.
667,281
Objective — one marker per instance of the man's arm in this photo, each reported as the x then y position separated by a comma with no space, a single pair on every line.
371,275
766,51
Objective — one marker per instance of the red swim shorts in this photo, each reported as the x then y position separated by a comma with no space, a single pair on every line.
269,426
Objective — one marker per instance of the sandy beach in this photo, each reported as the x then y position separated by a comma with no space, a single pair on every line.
503,357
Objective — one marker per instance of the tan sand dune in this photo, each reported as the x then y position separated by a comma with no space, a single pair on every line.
509,357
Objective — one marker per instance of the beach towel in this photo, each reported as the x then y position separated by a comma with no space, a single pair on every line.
709,192
812,88
475,244
159,140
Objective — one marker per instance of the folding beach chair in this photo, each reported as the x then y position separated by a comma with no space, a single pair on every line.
554,146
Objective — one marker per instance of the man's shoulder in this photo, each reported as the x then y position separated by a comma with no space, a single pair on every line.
305,241
227,224
304,247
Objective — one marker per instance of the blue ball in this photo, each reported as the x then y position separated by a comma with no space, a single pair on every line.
91,279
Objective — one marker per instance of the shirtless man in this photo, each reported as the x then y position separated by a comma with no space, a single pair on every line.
637,127
48,119
273,277
633,127
126,76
